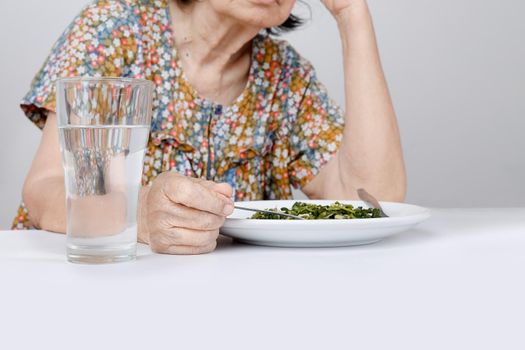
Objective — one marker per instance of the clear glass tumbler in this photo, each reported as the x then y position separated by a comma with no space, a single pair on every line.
104,126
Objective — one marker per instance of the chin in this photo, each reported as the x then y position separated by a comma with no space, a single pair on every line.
259,13
264,19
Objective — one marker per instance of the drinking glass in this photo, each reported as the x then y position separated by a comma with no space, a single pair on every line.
104,126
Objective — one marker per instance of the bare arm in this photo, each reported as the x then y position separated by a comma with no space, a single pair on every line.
44,192
370,154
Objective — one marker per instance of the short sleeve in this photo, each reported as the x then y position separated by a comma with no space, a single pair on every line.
317,129
101,41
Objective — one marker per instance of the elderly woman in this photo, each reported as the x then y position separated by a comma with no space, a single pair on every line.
237,113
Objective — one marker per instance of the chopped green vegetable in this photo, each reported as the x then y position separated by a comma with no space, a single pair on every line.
321,212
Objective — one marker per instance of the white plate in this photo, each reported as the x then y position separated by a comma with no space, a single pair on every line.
320,233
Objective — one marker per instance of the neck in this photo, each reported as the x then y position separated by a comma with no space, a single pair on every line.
210,38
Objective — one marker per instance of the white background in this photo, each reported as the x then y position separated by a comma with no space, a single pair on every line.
456,69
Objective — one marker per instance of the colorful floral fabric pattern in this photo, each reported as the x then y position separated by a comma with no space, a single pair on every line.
278,133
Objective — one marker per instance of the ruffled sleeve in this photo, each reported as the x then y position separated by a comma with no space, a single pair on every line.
103,40
317,128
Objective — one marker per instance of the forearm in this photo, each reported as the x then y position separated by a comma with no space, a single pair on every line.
45,202
370,154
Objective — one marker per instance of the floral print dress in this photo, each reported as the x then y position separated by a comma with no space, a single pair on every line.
277,134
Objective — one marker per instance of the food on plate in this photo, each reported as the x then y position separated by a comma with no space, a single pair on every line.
309,211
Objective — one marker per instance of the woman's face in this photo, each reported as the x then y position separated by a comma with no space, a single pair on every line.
257,13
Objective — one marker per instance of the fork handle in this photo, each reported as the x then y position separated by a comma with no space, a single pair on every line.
270,212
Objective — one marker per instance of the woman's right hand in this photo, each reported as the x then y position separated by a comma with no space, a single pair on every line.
182,215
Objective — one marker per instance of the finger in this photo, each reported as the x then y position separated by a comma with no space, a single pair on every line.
222,188
178,215
196,195
190,250
183,236
161,246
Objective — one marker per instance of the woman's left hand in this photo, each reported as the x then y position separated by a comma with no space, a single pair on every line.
338,8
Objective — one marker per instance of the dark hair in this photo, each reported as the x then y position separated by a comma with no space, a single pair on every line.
290,24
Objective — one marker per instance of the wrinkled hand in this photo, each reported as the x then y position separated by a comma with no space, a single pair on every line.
338,7
182,215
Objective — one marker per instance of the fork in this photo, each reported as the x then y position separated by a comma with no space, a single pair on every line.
270,212
370,201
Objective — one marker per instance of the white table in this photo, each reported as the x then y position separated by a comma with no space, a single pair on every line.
456,282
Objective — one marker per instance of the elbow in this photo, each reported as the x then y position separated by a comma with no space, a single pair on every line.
392,193
397,195
30,202
395,191
44,209
391,189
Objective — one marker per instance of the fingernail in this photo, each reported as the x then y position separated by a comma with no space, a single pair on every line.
228,209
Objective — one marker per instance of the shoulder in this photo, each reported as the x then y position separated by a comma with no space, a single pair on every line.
112,14
98,22
281,53
104,12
